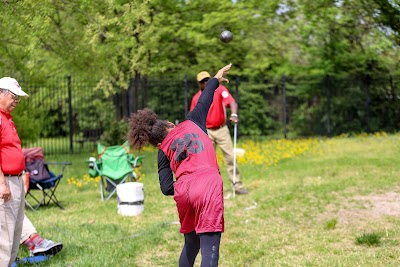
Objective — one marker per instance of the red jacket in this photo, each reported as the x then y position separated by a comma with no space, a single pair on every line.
189,150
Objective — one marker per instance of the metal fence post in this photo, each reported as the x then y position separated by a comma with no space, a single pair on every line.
71,129
145,93
185,88
284,106
328,104
136,91
130,97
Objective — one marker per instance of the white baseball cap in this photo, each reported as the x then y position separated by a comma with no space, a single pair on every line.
12,85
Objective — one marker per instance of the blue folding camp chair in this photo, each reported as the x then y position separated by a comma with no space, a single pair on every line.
39,177
114,165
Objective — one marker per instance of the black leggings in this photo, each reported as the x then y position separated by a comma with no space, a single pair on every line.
209,245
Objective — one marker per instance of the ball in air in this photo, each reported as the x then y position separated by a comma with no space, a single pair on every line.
226,36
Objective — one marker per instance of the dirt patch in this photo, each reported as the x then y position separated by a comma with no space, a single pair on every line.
364,209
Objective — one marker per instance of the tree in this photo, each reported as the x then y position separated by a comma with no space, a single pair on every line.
115,41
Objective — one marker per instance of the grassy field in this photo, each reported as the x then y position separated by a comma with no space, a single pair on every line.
314,202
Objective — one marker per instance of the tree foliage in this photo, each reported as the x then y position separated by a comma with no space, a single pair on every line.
117,39
113,41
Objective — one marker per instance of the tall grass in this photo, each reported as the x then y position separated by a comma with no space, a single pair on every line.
309,201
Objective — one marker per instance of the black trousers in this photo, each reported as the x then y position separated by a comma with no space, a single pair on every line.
208,243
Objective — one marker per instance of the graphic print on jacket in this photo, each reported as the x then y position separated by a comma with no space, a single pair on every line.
182,146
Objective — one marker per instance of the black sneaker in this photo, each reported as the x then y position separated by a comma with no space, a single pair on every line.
241,191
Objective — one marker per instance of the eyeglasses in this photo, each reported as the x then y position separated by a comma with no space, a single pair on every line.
204,80
13,96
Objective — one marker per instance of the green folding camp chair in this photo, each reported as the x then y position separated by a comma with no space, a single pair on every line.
114,165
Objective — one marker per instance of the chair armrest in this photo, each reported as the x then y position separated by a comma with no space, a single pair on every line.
60,163
136,162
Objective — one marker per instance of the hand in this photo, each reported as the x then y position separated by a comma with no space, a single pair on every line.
234,119
220,74
5,192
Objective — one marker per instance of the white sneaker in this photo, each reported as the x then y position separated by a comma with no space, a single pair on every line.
46,247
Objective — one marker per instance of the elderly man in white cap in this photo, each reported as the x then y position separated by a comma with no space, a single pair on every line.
12,165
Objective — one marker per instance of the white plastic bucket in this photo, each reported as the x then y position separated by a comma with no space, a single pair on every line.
240,152
130,198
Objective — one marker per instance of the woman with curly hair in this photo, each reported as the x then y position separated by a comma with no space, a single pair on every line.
186,150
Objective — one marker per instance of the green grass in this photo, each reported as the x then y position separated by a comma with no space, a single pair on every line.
369,239
309,211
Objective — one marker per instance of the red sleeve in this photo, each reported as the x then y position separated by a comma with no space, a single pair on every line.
195,98
193,104
227,98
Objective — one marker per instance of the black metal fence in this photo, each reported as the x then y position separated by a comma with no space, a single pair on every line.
71,115
335,105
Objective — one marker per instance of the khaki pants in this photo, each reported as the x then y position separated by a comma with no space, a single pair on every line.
222,138
27,230
11,219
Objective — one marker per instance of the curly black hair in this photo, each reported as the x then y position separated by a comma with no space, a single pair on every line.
144,128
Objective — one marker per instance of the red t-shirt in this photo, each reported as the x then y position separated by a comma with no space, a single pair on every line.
12,159
189,150
217,113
